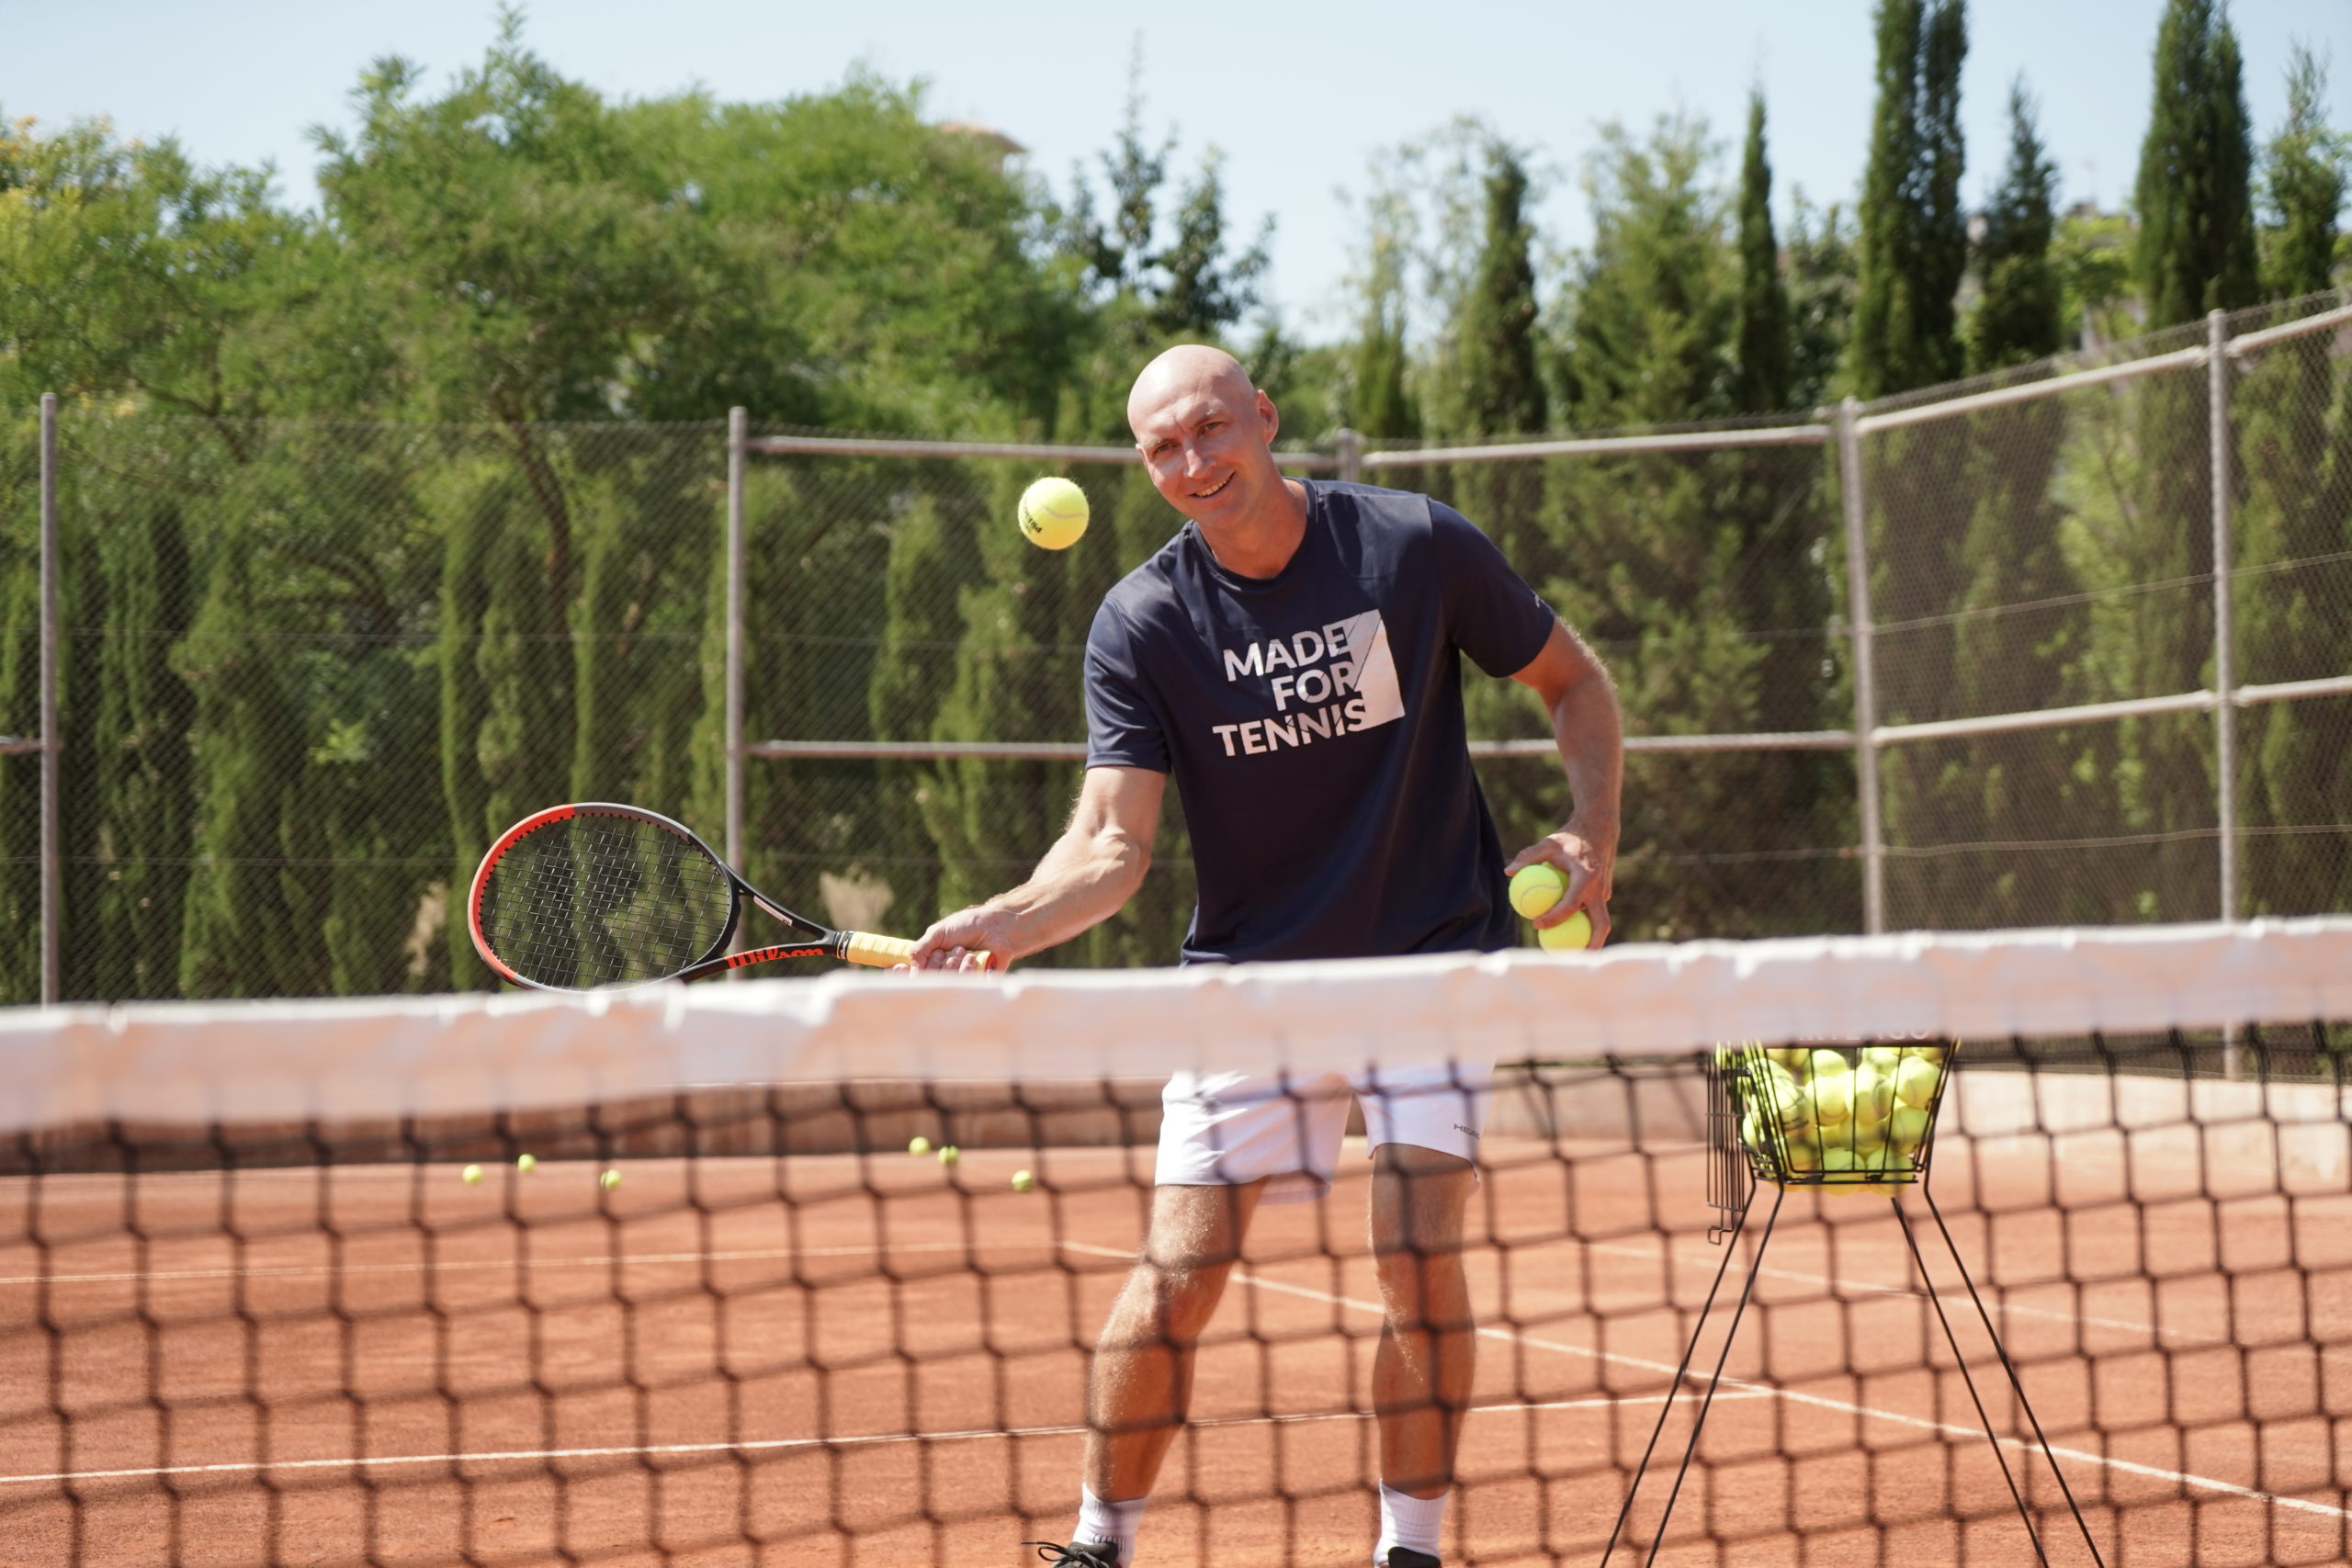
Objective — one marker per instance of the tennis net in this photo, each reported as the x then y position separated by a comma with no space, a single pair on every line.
256,1308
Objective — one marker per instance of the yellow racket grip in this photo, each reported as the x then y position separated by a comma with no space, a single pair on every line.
881,951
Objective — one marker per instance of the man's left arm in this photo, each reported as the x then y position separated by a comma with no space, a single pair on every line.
1591,733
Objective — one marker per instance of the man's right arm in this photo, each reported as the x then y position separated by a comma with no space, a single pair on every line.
1089,874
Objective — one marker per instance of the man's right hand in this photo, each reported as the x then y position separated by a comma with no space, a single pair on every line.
978,939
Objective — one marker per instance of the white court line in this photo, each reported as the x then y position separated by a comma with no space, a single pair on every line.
775,1445
1816,1401
464,1265
1733,1384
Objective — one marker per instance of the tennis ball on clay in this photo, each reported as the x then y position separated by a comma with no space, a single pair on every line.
470,1176
1916,1081
1535,888
949,1154
1571,935
610,1179
918,1145
527,1163
1053,513
1022,1181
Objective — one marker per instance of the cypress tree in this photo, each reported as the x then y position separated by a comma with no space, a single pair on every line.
1499,393
2304,179
2196,249
146,786
2017,316
1382,404
1914,246
1763,362
1502,392
2293,410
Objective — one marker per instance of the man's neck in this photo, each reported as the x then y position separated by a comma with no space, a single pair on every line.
1261,543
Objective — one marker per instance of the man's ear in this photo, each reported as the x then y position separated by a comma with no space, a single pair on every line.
1268,417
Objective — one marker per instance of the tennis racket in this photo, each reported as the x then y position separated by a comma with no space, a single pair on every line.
580,897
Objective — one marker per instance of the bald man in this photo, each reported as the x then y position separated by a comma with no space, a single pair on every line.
1293,657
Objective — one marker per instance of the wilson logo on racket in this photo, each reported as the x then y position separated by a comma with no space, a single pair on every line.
580,897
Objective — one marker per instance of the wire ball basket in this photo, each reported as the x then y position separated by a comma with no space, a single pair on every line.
1848,1117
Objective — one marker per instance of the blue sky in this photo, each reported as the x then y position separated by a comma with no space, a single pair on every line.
1299,97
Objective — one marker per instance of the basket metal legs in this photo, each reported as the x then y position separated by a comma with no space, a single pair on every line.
1714,1380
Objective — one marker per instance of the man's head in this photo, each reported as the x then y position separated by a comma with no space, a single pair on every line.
1206,435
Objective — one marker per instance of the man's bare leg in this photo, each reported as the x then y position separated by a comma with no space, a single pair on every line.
1422,1373
1140,1383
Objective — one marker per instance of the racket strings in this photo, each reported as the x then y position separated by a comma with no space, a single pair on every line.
599,900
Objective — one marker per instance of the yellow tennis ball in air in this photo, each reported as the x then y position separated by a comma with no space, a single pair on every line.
918,1145
1022,1181
610,1179
1053,513
527,1163
1535,888
949,1154
470,1176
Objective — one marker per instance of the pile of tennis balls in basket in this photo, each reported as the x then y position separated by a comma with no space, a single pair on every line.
1848,1116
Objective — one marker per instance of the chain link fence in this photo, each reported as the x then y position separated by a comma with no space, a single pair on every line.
1950,660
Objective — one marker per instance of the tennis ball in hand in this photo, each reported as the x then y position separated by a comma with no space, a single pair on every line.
1571,935
1535,888
1053,513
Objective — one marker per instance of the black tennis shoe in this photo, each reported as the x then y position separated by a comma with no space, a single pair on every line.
1406,1557
1095,1554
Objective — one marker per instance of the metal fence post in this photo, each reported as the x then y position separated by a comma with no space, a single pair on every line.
2225,707
52,899
738,427
1857,612
1350,445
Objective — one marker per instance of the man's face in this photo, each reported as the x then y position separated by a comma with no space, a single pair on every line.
1206,442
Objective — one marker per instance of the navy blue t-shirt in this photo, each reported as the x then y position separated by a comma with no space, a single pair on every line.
1313,722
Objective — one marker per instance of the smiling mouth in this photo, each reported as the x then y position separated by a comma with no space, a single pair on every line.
1219,490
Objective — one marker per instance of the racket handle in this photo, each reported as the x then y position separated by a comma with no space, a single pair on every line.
879,951
875,951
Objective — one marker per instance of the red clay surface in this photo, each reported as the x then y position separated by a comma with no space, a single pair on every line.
728,1364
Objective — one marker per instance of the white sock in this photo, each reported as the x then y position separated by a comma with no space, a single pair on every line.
1113,1522
1415,1522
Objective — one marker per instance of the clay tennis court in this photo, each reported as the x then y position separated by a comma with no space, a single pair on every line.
725,1362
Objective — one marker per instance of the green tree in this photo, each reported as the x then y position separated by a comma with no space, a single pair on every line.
2303,180
1499,393
2016,315
1680,569
2292,407
1914,240
2195,249
1764,369
1381,404
1821,285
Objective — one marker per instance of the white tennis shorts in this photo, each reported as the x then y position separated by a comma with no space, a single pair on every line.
1227,1129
